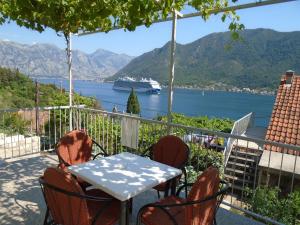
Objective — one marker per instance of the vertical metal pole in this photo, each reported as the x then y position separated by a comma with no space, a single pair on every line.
171,75
37,119
69,53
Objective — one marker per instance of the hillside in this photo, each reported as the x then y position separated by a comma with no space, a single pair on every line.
217,61
48,61
18,91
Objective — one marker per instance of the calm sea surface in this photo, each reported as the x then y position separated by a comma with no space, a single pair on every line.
189,102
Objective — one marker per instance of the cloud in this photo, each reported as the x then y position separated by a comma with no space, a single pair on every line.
34,42
6,40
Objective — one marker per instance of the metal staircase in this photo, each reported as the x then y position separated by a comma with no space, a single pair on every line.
242,167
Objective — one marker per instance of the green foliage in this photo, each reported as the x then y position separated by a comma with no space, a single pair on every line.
71,16
133,105
12,123
216,124
201,159
18,91
267,201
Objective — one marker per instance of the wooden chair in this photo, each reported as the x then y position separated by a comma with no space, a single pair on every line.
172,151
76,147
67,204
199,208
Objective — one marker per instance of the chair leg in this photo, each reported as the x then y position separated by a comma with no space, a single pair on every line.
46,217
173,187
185,182
186,189
215,221
167,187
130,202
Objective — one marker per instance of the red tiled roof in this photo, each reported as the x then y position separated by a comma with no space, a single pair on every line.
284,124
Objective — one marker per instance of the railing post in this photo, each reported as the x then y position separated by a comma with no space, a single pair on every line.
69,54
37,119
172,66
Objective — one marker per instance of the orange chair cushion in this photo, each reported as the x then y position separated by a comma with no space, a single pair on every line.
155,216
74,148
64,209
170,150
70,210
206,185
110,215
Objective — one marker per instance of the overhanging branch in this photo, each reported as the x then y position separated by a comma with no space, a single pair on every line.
216,11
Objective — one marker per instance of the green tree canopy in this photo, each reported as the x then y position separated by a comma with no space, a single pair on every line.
73,16
133,105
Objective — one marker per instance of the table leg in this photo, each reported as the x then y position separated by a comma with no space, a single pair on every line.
124,213
173,187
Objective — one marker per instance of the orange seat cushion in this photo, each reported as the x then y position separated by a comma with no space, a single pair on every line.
74,147
207,184
203,213
155,216
110,215
69,210
170,150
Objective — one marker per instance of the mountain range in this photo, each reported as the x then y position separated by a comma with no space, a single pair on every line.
255,61
49,61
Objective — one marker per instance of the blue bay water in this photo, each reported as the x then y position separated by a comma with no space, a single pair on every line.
187,101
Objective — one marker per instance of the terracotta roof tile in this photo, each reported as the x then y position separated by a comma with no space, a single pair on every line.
284,123
277,138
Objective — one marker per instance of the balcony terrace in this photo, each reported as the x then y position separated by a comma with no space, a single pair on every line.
24,155
21,200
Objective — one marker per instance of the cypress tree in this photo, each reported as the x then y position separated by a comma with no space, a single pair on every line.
133,105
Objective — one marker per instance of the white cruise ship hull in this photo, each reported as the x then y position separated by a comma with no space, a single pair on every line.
142,86
139,90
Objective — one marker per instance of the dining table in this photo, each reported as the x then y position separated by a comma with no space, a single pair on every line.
124,176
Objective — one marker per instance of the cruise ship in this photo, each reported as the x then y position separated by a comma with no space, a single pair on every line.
144,85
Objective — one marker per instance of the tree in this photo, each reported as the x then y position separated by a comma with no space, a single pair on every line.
73,16
133,105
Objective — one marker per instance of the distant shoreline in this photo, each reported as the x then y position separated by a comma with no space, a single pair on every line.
235,90
232,89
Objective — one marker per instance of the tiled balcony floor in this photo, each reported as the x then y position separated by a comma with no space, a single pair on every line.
21,200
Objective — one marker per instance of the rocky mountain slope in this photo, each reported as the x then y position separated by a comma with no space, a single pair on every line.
49,61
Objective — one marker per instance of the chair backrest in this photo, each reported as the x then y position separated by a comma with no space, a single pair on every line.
207,184
73,148
63,207
170,150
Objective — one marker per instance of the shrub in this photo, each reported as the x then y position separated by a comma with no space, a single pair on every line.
13,123
202,158
267,201
216,124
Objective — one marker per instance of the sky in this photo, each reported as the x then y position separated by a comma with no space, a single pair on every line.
281,17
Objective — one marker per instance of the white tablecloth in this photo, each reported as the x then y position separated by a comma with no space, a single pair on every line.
125,175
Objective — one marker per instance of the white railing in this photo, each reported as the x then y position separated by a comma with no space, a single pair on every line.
239,128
